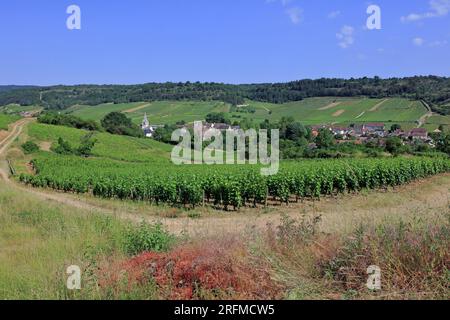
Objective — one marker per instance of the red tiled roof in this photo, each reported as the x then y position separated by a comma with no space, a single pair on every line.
374,124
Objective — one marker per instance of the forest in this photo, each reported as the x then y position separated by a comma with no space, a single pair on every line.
434,90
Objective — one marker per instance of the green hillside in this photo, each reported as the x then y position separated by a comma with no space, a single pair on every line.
5,120
161,112
16,109
108,146
323,110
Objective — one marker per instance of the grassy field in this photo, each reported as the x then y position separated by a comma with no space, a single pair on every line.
309,250
15,109
305,257
435,121
98,112
325,110
160,112
39,240
108,146
5,120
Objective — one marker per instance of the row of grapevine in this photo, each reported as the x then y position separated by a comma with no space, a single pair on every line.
226,186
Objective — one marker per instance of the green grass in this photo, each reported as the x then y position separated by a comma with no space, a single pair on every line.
99,112
434,122
15,108
108,146
346,111
160,112
39,240
169,112
309,111
6,120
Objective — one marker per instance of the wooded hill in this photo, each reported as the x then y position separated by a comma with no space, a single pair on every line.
434,90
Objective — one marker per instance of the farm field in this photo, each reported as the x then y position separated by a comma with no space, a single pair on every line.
15,109
435,121
262,248
5,120
323,110
108,146
160,112
224,186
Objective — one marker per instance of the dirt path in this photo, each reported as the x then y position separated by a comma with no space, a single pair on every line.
430,196
363,113
137,108
14,131
330,106
378,105
425,117
338,113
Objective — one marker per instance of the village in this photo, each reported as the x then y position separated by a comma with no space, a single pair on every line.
374,133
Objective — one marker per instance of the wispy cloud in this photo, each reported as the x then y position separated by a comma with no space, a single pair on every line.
438,8
334,14
294,13
438,43
418,42
346,37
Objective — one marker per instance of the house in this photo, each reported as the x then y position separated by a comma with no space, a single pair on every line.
220,126
419,133
342,131
374,127
359,130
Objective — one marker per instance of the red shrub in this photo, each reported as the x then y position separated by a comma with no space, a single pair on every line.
218,269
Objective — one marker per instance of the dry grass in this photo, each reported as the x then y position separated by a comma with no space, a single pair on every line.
330,106
209,269
338,113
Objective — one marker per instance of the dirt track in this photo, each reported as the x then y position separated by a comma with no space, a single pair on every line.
429,196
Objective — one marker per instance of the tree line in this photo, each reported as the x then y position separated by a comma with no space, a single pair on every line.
434,90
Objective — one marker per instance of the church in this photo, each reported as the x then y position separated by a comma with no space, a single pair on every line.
145,126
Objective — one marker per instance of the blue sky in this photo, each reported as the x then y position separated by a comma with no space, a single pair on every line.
231,41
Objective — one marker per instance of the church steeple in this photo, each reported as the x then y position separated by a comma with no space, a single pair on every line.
145,122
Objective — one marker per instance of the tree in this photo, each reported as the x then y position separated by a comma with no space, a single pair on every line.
218,117
164,134
30,147
118,123
443,142
394,145
324,139
395,127
86,146
63,147
68,121
295,131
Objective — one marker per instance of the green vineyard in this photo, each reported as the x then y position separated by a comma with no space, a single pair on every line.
225,186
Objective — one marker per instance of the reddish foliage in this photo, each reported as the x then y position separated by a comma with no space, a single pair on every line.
208,270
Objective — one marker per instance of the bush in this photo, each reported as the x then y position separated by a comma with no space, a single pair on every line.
147,238
63,147
68,121
86,146
413,258
30,147
216,269
118,123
